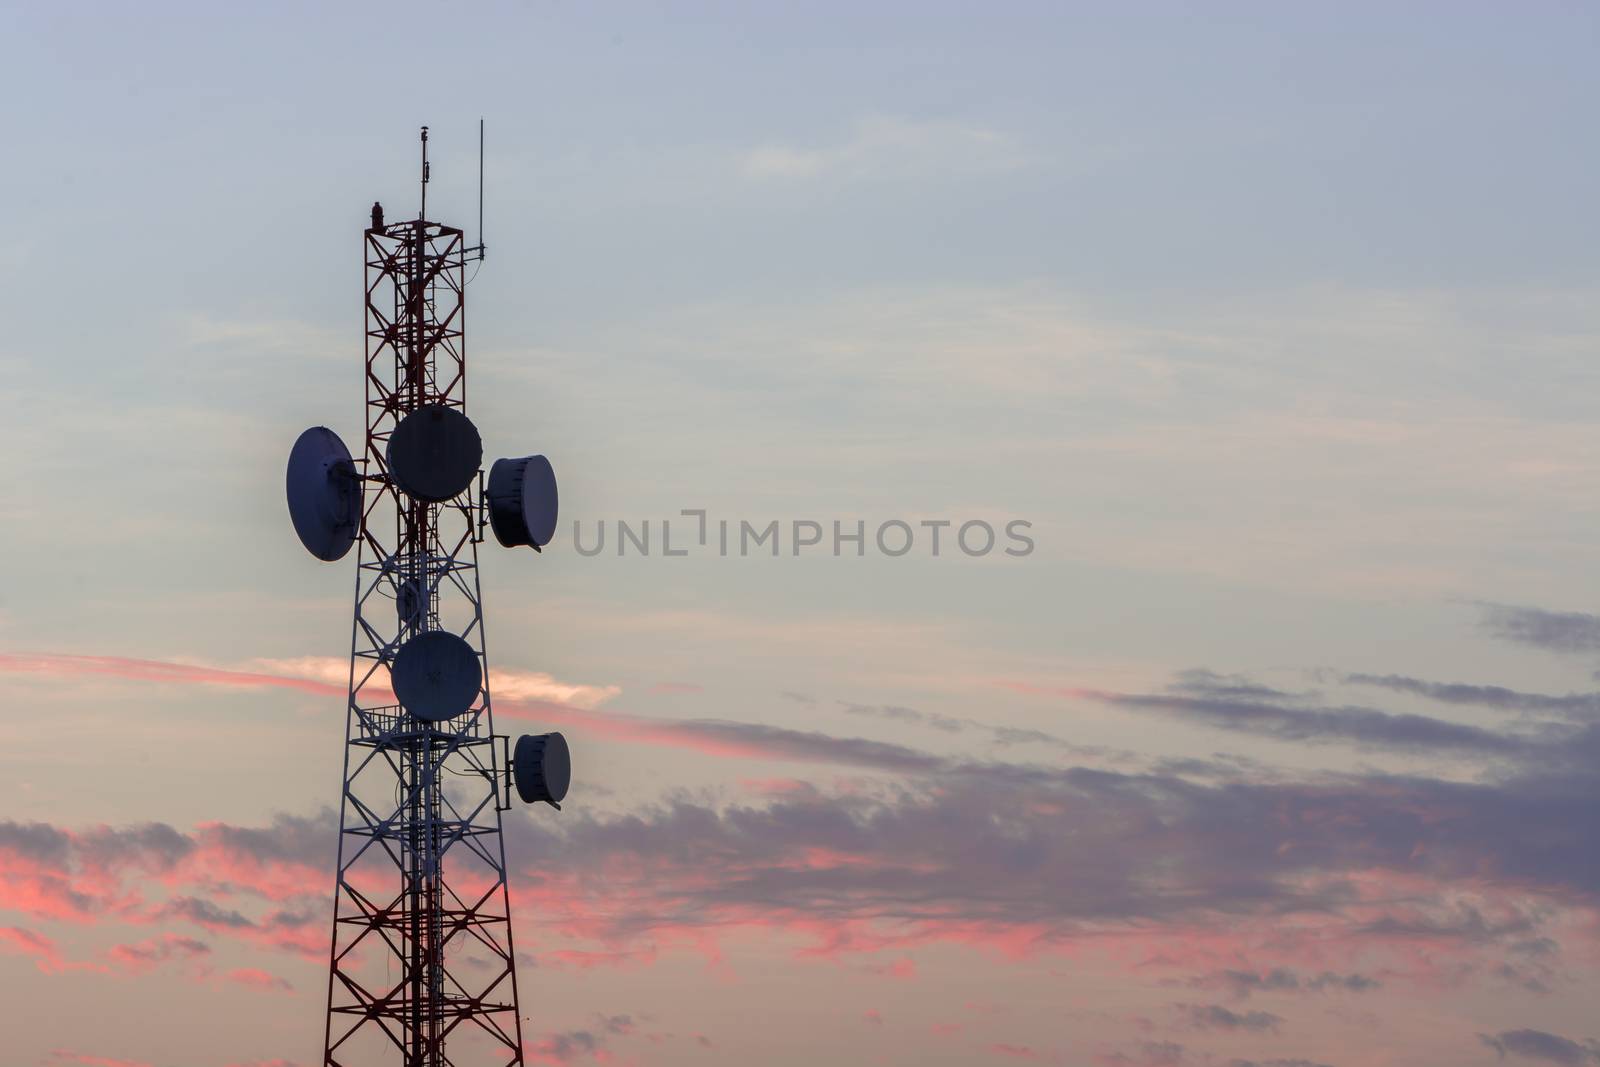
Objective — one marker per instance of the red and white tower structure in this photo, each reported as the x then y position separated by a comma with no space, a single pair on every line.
422,957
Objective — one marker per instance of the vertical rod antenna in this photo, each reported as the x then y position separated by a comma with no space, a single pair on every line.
424,213
482,247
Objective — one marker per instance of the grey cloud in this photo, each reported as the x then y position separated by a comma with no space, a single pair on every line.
203,912
1198,680
165,949
1553,631
1461,924
1358,725
1518,976
1246,982
812,747
567,1046
1242,983
1016,735
289,838
1149,1054
1540,1045
148,846
1216,1017
1350,983
1002,735
37,841
897,713
1538,946
1017,846
157,848
1576,705
1234,703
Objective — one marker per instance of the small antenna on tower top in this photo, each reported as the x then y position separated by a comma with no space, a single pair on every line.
424,213
482,246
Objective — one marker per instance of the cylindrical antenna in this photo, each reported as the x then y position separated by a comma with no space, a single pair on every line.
424,213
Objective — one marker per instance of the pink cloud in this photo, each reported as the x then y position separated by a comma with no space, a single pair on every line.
904,967
519,695
320,675
258,979
43,950
144,670
144,956
66,1056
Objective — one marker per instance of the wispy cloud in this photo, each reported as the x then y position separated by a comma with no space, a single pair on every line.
327,677
1216,1017
63,1056
1576,705
143,956
42,950
322,675
1543,1046
1553,631
1270,716
1240,984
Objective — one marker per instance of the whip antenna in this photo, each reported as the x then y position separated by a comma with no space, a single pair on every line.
482,247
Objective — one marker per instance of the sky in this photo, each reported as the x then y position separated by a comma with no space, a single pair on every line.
1274,326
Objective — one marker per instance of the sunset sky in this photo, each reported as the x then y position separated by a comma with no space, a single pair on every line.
1278,324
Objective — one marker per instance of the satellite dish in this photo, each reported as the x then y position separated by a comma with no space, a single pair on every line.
434,453
324,494
522,501
541,766
436,676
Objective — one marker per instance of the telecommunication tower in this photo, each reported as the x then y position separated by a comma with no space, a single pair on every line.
422,950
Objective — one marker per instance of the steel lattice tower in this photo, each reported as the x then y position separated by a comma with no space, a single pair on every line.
422,945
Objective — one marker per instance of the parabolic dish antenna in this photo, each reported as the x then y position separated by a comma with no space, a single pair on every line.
436,676
541,766
324,494
434,453
522,501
